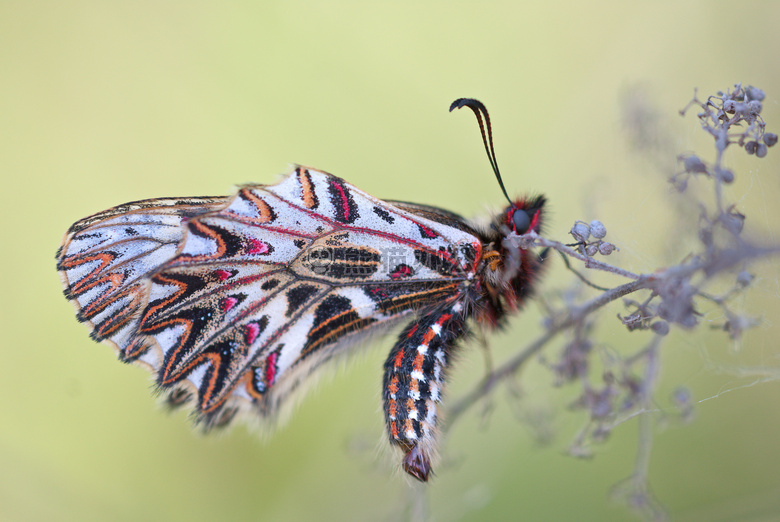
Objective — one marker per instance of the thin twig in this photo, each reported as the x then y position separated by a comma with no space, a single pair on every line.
512,365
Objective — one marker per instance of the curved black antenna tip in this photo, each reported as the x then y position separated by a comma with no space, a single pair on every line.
472,103
480,111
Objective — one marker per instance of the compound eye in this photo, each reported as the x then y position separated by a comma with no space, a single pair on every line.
521,221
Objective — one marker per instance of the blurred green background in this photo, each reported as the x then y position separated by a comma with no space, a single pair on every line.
107,102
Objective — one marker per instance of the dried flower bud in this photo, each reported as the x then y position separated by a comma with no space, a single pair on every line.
660,327
737,324
597,229
761,150
725,175
590,250
730,106
754,93
744,278
682,396
694,164
750,147
754,107
580,231
574,361
601,407
733,221
606,249
770,138
680,183
676,304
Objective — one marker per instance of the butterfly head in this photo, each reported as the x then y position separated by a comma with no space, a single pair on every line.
524,215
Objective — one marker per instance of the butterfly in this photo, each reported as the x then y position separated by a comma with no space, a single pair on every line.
232,302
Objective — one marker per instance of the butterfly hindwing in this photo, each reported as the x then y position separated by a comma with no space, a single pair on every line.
106,259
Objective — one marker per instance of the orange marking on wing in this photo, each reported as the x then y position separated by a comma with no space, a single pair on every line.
336,332
246,380
403,302
394,430
262,207
408,425
120,319
309,199
163,280
136,348
208,232
392,409
324,323
105,301
84,283
169,376
355,263
215,361
114,281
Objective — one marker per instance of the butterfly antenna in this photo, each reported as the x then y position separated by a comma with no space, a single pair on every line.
479,110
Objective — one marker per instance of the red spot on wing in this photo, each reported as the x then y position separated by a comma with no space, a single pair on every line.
227,303
401,271
270,369
344,200
251,331
222,274
427,232
257,246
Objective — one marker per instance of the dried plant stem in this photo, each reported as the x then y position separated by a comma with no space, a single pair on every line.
510,367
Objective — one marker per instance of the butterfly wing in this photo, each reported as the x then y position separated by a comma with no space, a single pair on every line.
264,287
105,260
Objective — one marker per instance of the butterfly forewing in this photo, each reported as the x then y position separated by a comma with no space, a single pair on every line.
234,300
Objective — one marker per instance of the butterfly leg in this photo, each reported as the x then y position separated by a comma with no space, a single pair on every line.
413,382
